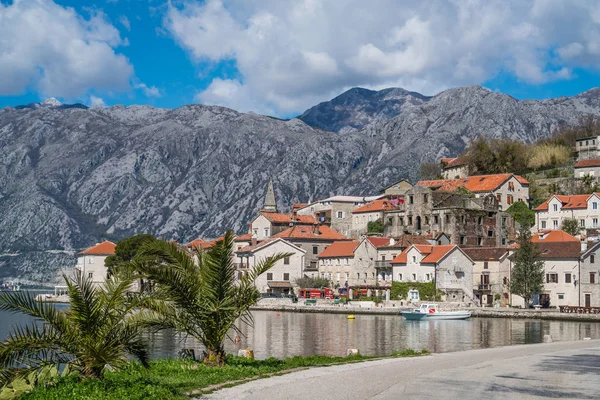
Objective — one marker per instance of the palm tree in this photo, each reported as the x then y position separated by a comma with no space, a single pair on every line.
98,331
198,294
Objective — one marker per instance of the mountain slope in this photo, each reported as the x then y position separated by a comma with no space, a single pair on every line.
358,107
72,176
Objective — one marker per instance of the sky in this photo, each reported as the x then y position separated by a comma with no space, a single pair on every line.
280,57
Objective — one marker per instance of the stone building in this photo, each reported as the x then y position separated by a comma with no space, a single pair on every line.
448,265
267,224
587,148
370,212
313,239
507,188
336,211
589,167
281,278
466,219
336,263
584,208
589,277
454,168
90,262
397,189
491,275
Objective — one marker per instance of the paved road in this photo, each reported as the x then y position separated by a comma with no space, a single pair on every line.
552,370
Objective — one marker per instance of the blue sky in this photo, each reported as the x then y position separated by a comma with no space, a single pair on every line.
278,58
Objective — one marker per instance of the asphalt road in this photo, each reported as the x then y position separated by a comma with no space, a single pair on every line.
550,370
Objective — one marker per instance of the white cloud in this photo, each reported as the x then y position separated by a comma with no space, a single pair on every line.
149,91
57,52
290,57
97,101
123,20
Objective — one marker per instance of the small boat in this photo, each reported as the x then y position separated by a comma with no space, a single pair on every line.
430,311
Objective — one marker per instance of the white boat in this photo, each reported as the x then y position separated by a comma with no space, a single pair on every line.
430,311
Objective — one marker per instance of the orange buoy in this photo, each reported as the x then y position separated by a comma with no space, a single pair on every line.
277,315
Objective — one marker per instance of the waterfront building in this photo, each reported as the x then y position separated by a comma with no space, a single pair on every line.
507,188
491,275
467,220
336,211
589,277
448,265
313,239
90,262
336,263
281,278
589,167
584,208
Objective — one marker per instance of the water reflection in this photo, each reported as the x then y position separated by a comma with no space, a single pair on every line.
287,334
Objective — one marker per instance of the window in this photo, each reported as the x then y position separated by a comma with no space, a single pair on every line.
555,224
592,277
426,220
463,240
347,276
414,276
365,275
447,218
592,258
582,223
427,277
337,275
480,220
400,277
266,232
340,214
594,206
485,265
499,197
286,276
373,273
552,278
411,199
463,219
480,241
90,275
90,260
286,261
414,258
255,231
358,275
555,207
543,224
505,281
503,241
410,221
509,199
315,249
567,278
436,219
383,257
595,222
561,296
269,276
490,233
511,186
425,198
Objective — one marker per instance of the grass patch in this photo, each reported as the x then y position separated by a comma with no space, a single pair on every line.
172,379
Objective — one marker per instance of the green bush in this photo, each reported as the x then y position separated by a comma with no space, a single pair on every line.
426,290
375,226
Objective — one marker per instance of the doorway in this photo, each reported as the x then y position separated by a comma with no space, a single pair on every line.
588,300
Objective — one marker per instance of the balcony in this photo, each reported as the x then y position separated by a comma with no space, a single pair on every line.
483,287
383,264
312,266
242,265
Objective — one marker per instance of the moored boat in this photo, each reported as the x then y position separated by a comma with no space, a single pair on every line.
430,311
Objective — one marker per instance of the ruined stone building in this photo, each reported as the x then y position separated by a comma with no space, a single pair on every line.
467,220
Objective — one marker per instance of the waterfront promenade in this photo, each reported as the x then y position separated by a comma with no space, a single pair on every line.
550,370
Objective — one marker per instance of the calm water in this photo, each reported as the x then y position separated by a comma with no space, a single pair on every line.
288,334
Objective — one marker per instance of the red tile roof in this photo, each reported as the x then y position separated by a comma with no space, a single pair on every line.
339,249
374,206
377,241
453,162
553,236
433,254
476,183
577,201
307,232
587,163
105,248
298,206
485,253
244,238
286,218
559,250
405,241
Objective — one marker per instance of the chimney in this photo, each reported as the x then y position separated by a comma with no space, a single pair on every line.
316,230
253,241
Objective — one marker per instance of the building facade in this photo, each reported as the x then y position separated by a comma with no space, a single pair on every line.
587,148
90,262
584,208
589,277
491,275
370,212
587,167
454,168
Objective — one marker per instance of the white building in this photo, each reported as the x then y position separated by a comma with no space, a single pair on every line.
268,224
585,208
454,168
90,262
448,265
281,278
491,274
370,212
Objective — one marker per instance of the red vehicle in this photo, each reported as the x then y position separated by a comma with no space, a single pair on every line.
315,293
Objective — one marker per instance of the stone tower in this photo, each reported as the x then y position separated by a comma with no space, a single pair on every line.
270,205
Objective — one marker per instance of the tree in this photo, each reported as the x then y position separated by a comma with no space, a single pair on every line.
126,250
375,226
588,181
521,213
430,171
527,277
571,226
307,282
99,330
197,292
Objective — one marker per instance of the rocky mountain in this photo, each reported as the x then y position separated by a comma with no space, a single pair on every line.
70,177
356,108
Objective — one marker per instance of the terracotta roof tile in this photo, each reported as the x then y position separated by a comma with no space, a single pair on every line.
476,183
587,163
339,249
485,253
453,162
374,206
553,236
105,248
244,238
286,218
559,249
577,201
307,232
433,254
377,241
